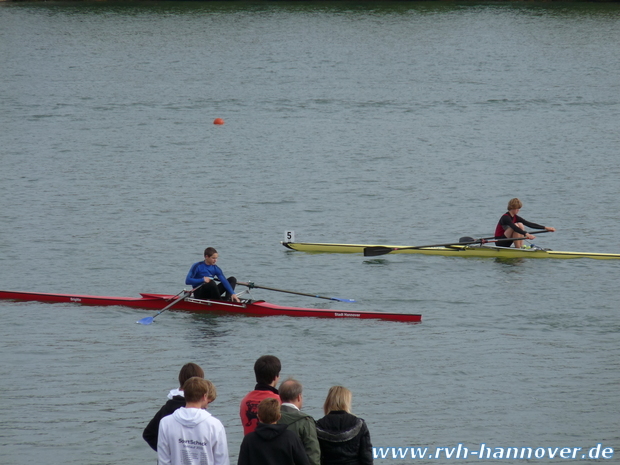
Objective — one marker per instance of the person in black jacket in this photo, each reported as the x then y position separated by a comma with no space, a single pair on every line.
343,437
270,443
176,401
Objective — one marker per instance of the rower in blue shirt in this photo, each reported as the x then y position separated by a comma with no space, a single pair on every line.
204,272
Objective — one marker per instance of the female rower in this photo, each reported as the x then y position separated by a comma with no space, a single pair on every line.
510,226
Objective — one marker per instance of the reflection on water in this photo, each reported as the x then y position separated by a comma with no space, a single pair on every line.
208,328
511,262
376,261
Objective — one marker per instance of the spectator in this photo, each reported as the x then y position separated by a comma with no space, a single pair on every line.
191,435
267,372
270,443
343,437
175,401
302,424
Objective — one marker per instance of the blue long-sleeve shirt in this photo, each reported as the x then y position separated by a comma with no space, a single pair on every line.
199,270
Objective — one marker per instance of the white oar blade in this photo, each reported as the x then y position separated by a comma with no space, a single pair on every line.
146,321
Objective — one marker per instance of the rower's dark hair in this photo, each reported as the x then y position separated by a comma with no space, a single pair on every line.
189,370
209,251
290,390
267,368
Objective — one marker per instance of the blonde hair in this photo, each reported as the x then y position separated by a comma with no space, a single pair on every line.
514,204
338,398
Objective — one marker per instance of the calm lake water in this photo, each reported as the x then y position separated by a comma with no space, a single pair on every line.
404,123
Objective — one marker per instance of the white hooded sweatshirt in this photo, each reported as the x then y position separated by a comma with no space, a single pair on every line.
175,392
191,436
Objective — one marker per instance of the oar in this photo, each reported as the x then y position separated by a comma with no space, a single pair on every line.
149,319
251,285
380,250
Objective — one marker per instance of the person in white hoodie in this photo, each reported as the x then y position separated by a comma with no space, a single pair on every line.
176,400
191,435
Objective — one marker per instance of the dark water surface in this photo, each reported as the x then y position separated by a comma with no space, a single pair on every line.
409,123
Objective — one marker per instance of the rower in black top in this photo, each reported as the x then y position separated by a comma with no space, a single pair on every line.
510,226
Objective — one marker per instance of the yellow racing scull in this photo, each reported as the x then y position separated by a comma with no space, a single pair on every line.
454,250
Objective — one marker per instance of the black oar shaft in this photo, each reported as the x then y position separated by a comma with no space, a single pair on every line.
381,250
251,285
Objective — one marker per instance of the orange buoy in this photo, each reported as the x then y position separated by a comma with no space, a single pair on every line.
218,121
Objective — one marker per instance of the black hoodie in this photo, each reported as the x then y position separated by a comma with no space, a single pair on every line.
272,445
344,439
152,429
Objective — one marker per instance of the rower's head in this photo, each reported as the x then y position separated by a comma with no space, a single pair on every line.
211,256
190,370
267,370
514,204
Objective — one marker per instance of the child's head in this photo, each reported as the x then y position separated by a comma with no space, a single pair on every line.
269,411
195,389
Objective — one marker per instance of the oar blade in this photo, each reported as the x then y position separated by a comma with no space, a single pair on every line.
375,251
146,321
342,300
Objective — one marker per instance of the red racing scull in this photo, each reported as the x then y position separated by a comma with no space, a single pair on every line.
245,307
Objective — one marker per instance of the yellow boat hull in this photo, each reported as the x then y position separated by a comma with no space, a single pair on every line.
452,251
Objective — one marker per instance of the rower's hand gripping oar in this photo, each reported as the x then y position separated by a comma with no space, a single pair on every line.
251,285
380,250
149,319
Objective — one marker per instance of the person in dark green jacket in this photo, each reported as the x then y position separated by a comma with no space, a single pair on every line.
302,424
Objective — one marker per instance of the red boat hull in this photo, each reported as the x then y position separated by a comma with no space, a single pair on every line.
254,308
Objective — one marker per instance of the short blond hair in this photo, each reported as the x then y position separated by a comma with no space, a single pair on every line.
514,204
338,398
195,388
